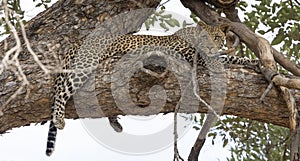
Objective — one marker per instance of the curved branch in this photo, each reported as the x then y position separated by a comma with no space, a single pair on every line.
286,63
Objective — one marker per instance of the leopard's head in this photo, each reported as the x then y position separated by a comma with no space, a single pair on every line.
217,32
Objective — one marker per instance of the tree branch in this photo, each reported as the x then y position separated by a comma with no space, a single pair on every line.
244,86
51,33
244,89
264,52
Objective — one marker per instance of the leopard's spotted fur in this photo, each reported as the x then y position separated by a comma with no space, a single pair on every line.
83,60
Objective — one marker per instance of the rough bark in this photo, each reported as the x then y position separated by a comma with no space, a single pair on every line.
244,89
51,33
67,22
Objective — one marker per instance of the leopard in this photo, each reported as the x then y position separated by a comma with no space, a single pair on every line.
83,58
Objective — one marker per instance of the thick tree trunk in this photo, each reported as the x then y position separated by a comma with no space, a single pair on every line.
66,22
51,33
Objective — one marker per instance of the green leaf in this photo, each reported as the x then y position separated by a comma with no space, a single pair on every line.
153,20
39,4
274,8
167,16
225,142
195,119
263,8
196,128
160,12
170,23
147,24
46,6
164,26
184,24
261,32
176,22
278,39
212,134
194,17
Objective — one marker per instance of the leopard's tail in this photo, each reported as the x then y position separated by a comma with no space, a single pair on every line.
51,139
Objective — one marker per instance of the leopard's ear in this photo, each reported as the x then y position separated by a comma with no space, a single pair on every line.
225,27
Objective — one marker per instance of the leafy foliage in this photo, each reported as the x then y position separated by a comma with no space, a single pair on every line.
281,17
257,141
44,3
249,140
164,19
15,11
15,7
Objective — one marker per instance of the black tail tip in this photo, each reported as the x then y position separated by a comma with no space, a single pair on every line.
49,152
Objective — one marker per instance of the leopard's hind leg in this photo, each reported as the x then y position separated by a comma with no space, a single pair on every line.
65,86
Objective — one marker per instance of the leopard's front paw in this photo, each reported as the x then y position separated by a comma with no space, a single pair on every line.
114,123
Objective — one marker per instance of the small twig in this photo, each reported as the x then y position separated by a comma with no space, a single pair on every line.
163,3
16,48
266,92
291,3
34,55
193,156
5,45
177,157
14,60
195,86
